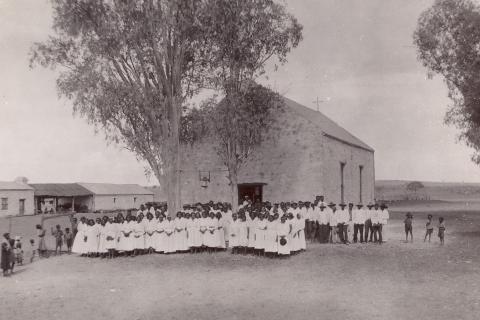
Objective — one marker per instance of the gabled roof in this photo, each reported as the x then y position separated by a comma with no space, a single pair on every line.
328,126
12,185
115,189
59,190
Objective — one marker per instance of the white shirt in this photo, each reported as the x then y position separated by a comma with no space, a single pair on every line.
358,216
343,216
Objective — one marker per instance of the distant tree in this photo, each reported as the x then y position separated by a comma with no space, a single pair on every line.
448,43
128,67
415,186
245,35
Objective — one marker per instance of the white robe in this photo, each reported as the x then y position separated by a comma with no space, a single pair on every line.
161,238
79,243
234,234
180,235
271,244
150,234
139,235
111,232
283,231
169,237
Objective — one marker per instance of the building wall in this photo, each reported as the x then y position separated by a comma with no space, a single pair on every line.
298,164
14,197
122,202
336,152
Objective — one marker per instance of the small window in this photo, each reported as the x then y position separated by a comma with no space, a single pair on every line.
4,203
134,199
114,200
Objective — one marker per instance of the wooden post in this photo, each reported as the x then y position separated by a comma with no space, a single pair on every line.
73,204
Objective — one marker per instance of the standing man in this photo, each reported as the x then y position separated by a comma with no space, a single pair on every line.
376,223
385,215
368,223
332,221
342,220
358,218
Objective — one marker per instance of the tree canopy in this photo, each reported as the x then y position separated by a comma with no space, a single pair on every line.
448,43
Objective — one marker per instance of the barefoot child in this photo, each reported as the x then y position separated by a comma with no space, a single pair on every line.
408,226
69,240
429,228
441,230
58,235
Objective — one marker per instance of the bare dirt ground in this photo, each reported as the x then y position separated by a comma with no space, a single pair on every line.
395,280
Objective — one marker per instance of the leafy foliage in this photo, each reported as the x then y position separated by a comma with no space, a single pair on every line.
448,42
414,186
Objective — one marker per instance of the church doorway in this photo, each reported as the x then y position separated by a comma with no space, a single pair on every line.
254,191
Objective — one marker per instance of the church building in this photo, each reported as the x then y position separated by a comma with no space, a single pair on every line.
308,155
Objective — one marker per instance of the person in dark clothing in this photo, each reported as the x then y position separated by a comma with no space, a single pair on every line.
5,255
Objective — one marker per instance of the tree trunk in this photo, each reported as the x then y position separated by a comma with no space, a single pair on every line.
173,174
234,189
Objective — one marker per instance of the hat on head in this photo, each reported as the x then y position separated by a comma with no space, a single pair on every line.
359,205
331,204
384,206
343,205
370,205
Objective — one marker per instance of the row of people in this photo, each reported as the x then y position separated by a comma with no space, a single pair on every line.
254,232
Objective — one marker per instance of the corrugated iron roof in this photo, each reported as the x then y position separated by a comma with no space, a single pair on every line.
12,185
112,189
327,125
59,190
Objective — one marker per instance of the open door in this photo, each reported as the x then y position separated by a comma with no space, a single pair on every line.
254,191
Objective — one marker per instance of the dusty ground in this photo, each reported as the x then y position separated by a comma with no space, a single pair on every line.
392,281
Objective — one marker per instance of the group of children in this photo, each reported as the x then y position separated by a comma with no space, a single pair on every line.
429,227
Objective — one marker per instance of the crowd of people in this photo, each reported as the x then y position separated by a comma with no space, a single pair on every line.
263,229
271,230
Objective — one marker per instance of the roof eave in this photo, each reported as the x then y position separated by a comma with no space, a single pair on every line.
348,143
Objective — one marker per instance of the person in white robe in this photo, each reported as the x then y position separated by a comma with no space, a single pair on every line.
150,233
260,229
221,226
138,236
92,234
283,237
125,242
170,245
243,233
102,237
79,241
161,239
197,235
111,237
271,243
180,235
211,234
234,234
203,228
251,226
301,242
190,225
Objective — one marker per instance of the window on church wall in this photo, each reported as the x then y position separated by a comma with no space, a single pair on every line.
4,203
114,199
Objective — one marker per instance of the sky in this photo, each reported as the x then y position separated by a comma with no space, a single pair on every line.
356,56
